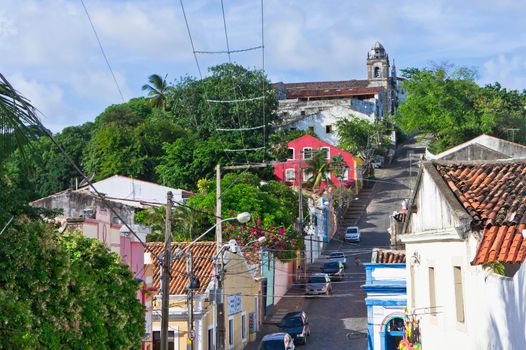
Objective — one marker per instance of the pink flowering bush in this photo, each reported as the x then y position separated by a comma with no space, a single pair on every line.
283,242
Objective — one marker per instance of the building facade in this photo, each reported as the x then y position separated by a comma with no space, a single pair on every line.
386,299
300,153
318,106
465,246
241,298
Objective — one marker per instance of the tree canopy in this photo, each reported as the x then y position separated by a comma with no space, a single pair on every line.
65,291
447,103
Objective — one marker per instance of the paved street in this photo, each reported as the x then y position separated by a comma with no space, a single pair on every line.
339,321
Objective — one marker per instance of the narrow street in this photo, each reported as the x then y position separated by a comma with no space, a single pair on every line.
339,321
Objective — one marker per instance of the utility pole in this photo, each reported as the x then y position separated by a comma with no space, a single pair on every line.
190,302
167,259
220,332
219,314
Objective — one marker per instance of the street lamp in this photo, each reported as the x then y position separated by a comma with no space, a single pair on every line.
242,218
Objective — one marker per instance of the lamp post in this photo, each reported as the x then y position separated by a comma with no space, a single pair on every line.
218,308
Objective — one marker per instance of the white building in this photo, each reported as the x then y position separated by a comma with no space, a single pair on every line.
319,105
466,218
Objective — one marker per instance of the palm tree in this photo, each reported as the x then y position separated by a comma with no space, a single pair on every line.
319,170
18,122
157,90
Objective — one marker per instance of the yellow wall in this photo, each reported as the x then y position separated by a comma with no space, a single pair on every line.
238,280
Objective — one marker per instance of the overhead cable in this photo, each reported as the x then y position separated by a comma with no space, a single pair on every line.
102,50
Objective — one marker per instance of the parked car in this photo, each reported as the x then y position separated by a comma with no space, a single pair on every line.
352,234
318,283
277,341
338,256
334,269
297,325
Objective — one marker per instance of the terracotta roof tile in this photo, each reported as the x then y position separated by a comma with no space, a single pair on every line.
494,195
203,254
384,256
328,89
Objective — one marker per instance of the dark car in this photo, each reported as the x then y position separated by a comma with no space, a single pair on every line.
277,341
297,325
334,269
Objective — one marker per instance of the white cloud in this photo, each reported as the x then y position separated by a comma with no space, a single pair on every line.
50,47
509,71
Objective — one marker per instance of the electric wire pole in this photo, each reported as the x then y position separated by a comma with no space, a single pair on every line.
190,302
220,332
167,259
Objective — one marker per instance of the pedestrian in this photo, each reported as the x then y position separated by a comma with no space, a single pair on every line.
357,260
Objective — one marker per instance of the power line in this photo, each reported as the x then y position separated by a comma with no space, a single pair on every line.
102,50
191,40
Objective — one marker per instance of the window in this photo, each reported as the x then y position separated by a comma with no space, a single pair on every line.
302,113
293,129
307,153
211,339
432,291
377,72
328,129
244,326
290,154
306,175
290,175
327,152
231,331
311,129
346,174
459,295
156,335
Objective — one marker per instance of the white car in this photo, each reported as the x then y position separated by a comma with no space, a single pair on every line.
338,256
352,234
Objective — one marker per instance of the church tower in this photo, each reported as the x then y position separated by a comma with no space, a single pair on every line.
377,66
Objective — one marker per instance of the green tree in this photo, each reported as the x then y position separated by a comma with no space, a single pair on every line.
441,102
128,140
18,123
157,90
191,107
272,202
357,134
318,170
65,291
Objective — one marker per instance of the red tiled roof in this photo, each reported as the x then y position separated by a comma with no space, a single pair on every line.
203,255
494,195
384,256
328,89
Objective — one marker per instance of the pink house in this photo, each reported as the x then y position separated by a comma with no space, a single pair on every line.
300,152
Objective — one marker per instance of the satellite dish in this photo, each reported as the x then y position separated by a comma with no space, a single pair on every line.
85,183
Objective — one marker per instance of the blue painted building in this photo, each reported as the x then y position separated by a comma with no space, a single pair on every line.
386,298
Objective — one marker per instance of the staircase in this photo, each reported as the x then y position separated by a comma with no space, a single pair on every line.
356,208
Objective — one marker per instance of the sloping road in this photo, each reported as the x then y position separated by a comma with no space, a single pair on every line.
339,321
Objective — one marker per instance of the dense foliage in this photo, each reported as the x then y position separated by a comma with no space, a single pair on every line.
448,104
64,291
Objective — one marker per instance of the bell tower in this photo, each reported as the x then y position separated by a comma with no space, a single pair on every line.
377,66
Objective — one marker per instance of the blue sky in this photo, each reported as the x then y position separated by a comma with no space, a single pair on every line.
50,54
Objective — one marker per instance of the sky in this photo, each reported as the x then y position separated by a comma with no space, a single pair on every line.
49,52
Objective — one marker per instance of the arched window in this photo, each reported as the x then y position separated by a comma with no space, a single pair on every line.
377,72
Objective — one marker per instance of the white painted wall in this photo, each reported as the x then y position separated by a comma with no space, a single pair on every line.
437,214
442,331
281,279
329,116
506,300
137,190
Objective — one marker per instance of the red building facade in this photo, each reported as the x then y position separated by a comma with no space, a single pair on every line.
300,152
